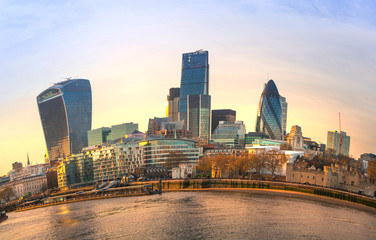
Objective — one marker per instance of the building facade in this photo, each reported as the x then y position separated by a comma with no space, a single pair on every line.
226,115
250,137
269,114
156,152
65,111
295,138
198,116
98,136
284,113
120,130
173,104
333,142
230,134
194,78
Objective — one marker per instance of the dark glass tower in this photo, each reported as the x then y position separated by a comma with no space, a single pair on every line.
269,115
194,78
65,110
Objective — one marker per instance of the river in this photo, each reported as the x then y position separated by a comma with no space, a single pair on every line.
192,215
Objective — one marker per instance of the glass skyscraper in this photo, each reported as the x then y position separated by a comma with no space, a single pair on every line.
269,114
198,116
284,113
194,78
333,141
65,110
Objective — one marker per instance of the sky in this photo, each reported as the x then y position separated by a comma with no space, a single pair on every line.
321,55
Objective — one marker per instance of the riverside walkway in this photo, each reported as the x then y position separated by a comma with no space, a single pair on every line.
264,186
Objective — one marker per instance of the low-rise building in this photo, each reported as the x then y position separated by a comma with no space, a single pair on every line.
185,170
30,185
334,176
229,133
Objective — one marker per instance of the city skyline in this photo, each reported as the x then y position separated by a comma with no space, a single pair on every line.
322,69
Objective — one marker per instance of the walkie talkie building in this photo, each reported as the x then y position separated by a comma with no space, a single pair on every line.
65,110
269,114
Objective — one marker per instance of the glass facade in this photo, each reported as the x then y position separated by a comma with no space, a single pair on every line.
173,104
119,131
65,110
226,115
269,115
98,136
284,113
333,140
229,133
252,136
198,116
194,78
156,152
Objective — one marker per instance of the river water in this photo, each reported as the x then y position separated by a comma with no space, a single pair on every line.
192,215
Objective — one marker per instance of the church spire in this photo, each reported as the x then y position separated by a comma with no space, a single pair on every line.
28,160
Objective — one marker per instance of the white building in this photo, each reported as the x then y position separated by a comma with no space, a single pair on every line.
30,185
185,170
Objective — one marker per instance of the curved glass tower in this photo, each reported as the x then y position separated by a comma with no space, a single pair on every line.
269,114
65,111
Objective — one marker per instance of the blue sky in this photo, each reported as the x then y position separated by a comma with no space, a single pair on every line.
321,54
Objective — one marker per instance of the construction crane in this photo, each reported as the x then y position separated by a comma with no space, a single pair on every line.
340,135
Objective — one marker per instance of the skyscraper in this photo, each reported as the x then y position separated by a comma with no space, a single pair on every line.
269,114
198,116
226,115
194,78
195,101
173,104
65,110
284,113
333,141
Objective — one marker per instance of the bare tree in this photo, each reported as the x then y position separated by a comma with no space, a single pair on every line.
174,158
275,160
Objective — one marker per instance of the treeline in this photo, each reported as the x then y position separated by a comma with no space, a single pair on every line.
233,166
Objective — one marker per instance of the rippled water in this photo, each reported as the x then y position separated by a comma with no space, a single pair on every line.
192,215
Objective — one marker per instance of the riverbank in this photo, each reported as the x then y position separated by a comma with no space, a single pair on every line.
308,192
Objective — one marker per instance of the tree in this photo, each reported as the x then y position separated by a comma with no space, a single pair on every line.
286,146
174,158
258,161
204,165
275,160
220,164
6,193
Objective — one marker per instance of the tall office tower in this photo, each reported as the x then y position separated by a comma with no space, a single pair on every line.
333,142
226,115
173,104
194,78
284,113
120,130
198,115
269,114
65,111
98,136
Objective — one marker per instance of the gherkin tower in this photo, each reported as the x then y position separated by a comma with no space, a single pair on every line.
269,114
